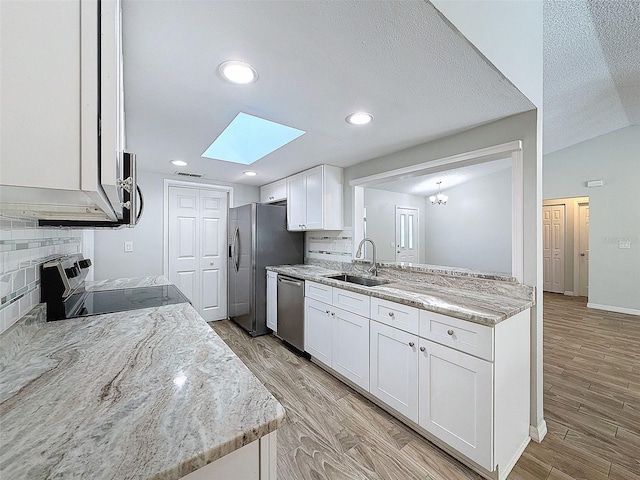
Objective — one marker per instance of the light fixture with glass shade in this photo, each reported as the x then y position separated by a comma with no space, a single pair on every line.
440,198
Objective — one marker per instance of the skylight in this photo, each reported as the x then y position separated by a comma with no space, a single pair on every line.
247,139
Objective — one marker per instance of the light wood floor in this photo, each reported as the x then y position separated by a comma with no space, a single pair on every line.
591,394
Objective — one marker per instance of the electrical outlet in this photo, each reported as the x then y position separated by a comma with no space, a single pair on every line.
128,246
624,244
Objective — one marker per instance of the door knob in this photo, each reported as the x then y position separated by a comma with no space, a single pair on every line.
582,254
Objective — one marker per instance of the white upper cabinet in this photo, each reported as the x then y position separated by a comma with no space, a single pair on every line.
61,81
314,199
274,192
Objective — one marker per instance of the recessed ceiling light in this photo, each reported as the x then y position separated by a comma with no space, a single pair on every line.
179,163
237,72
359,118
249,173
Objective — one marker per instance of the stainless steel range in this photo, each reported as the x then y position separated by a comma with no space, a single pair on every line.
63,290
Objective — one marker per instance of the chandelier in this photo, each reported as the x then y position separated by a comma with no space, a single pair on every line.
440,198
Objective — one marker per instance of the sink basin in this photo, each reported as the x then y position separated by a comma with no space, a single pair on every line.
365,281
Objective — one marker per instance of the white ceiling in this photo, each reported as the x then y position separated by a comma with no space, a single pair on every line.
591,69
425,185
318,61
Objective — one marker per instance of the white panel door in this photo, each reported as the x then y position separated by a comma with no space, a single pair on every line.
407,234
197,248
456,391
183,247
213,258
394,368
314,199
553,248
350,346
583,242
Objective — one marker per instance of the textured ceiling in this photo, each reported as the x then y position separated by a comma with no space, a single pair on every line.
318,61
426,185
591,69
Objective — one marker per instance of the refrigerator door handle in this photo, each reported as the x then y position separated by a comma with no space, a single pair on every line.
236,249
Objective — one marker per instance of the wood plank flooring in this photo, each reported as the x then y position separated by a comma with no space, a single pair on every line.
591,394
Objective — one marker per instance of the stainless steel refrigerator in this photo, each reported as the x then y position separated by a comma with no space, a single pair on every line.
258,237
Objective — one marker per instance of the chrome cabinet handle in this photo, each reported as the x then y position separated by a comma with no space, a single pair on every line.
333,314
449,332
411,344
391,314
327,312
422,349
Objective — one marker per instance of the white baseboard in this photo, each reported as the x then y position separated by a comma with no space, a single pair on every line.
538,433
610,308
569,293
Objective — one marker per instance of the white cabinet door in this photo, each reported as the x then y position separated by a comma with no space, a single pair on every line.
272,300
456,400
394,368
317,330
296,200
274,192
350,346
314,197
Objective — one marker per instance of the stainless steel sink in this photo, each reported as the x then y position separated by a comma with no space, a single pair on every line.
365,281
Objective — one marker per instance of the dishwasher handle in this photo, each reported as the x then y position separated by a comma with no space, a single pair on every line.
289,282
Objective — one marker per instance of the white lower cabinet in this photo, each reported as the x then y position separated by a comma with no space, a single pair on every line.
317,330
272,300
350,346
456,400
463,384
394,368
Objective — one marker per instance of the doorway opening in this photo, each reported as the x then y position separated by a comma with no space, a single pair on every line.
566,246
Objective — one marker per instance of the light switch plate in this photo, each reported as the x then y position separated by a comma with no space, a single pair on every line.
128,246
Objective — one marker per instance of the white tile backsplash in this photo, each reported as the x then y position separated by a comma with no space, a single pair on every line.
24,248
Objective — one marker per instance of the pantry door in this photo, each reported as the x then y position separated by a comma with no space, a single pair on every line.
197,232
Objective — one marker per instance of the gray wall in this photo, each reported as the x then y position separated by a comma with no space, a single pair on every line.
146,259
381,220
614,210
473,230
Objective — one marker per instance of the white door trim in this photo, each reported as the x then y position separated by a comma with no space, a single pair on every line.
169,182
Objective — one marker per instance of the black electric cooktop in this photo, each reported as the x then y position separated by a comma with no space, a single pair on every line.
110,301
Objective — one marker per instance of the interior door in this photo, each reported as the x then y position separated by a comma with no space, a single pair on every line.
183,246
583,256
407,234
197,248
213,261
553,226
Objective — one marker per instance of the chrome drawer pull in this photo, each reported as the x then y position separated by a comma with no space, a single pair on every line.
449,332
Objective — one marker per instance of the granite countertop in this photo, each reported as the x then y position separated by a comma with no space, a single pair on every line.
484,301
121,283
150,393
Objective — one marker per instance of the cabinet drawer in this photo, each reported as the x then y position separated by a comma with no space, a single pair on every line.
462,335
318,291
351,301
395,314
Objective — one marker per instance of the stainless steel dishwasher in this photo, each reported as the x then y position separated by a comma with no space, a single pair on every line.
291,311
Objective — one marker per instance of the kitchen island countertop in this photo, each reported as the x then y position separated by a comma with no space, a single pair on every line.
151,393
482,301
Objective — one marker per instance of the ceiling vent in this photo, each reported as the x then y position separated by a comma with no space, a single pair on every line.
187,174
